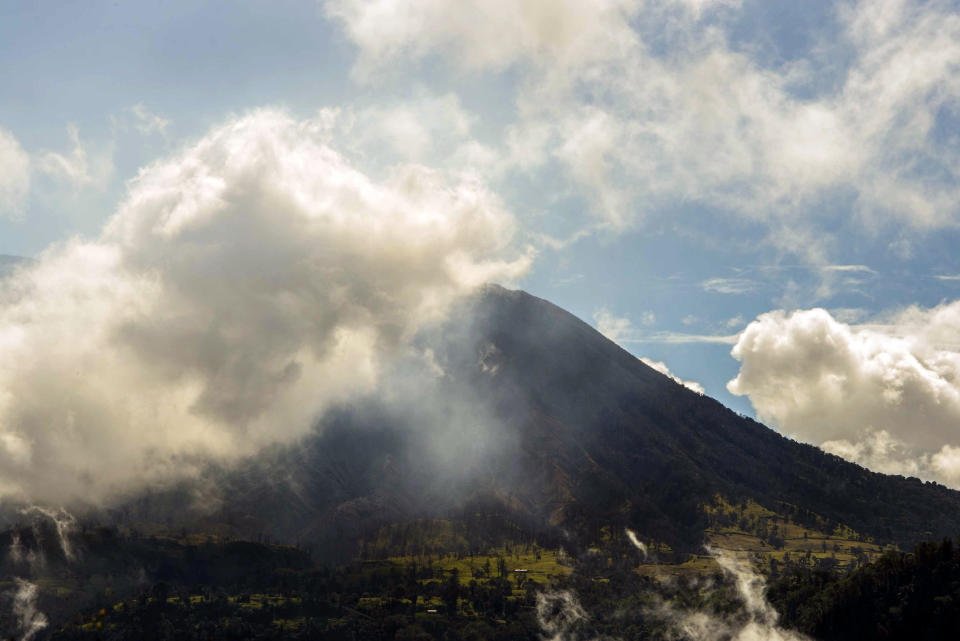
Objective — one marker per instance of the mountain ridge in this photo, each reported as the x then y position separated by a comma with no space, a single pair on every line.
711,419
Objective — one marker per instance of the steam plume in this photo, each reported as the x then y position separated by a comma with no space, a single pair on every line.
63,521
241,287
29,619
558,614
756,622
637,543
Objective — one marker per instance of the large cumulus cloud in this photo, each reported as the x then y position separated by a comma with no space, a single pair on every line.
886,394
242,285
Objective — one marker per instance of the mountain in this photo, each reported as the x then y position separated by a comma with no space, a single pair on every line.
514,434
542,426
641,427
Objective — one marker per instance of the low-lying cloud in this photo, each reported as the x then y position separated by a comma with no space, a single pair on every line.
757,620
29,620
563,618
886,395
241,286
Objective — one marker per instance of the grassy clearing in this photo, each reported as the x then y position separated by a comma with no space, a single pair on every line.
540,564
771,540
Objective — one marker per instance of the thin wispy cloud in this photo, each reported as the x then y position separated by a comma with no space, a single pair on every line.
620,329
856,269
146,121
729,285
80,167
680,338
736,321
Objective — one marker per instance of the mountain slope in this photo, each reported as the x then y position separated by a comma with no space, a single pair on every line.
635,428
540,419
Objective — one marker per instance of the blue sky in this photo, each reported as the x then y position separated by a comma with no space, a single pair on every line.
691,176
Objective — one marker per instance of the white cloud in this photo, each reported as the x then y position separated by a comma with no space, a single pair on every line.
77,167
946,465
426,127
661,367
71,166
729,285
848,269
698,8
14,176
884,394
681,338
620,329
902,248
710,123
655,103
848,314
880,452
240,286
483,34
616,328
735,321
147,122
